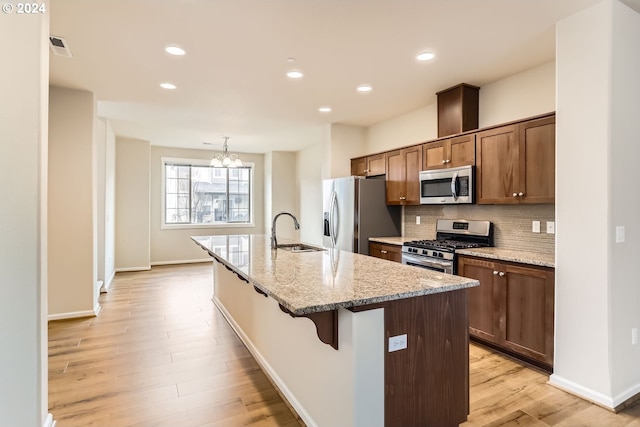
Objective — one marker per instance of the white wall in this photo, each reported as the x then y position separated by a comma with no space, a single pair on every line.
268,191
597,306
132,205
413,127
71,207
174,245
625,174
516,97
282,194
309,178
110,207
521,95
23,229
343,142
105,169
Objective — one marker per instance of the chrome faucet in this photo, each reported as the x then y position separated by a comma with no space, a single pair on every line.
274,241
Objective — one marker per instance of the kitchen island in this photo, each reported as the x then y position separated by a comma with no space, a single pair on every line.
349,340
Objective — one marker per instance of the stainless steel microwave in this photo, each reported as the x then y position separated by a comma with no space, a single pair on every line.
447,186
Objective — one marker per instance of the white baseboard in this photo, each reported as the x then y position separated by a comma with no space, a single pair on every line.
123,270
598,398
106,287
48,422
629,393
183,261
75,314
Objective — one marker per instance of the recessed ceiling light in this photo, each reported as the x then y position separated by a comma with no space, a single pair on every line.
325,109
174,49
167,86
364,88
425,56
294,74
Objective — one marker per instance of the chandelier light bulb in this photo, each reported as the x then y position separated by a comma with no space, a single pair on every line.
225,159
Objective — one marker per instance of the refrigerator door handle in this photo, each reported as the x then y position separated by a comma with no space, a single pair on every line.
334,218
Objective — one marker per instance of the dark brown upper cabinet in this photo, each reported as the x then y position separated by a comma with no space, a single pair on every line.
458,109
516,163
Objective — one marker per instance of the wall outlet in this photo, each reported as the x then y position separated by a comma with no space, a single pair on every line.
634,336
535,227
551,227
620,234
399,342
417,219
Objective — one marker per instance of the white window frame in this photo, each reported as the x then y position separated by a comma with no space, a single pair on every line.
202,162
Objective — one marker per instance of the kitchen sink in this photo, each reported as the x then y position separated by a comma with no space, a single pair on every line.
299,247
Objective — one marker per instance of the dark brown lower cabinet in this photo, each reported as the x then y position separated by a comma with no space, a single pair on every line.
513,308
385,251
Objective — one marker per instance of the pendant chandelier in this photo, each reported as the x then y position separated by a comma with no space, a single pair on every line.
225,159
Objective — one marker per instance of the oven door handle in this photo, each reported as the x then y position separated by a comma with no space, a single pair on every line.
417,260
454,186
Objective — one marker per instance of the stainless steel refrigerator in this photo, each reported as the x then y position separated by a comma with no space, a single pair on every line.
354,210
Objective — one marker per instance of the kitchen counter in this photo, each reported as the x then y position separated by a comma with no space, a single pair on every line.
533,258
349,340
312,282
397,240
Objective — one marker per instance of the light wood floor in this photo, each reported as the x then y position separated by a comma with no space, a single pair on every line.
160,354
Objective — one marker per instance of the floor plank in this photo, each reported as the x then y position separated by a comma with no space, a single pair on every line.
160,354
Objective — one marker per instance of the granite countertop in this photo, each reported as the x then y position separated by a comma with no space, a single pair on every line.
533,258
312,282
397,240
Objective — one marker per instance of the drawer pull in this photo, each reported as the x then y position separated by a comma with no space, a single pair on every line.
382,251
501,274
495,272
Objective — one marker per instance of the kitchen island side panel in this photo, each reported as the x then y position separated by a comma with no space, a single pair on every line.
427,384
326,387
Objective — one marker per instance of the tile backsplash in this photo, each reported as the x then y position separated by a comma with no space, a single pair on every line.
511,223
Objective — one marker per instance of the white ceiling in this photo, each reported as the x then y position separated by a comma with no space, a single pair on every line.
232,80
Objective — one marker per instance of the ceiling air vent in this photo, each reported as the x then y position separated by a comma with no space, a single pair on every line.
59,46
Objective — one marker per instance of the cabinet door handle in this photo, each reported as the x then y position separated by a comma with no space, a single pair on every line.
521,194
448,160
444,161
501,274
495,272
382,251
366,170
515,194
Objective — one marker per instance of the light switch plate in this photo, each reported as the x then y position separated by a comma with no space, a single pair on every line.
535,227
399,342
551,227
417,219
620,234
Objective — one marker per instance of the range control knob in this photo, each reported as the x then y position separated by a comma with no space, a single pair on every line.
440,255
425,252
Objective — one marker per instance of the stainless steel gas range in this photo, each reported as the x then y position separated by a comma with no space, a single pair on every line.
439,254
